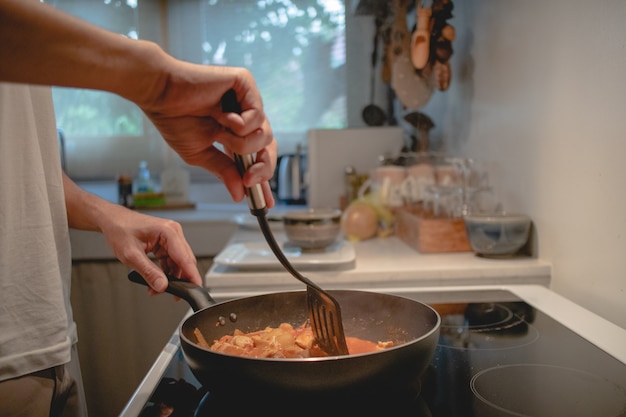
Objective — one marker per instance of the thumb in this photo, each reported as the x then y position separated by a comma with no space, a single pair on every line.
153,275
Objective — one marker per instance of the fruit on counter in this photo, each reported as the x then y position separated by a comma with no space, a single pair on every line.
363,219
359,221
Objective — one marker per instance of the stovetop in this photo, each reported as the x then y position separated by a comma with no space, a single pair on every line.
498,356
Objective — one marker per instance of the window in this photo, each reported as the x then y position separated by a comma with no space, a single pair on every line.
295,50
94,122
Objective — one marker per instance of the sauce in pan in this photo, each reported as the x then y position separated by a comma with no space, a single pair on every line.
283,341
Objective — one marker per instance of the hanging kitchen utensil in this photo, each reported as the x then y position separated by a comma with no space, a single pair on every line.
385,67
420,40
441,75
422,124
441,32
372,114
324,310
442,35
413,89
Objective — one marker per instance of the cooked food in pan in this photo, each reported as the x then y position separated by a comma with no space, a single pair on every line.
284,341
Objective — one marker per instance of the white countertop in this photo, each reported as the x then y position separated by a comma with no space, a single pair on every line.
380,262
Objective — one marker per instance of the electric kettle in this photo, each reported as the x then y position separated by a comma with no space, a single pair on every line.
289,184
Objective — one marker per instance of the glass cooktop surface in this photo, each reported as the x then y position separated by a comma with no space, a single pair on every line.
496,356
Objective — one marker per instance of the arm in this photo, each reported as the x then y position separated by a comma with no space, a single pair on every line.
132,235
46,46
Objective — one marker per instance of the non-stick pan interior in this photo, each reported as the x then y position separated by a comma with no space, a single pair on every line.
366,315
412,326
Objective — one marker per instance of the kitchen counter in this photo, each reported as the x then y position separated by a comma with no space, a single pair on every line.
207,227
384,262
378,263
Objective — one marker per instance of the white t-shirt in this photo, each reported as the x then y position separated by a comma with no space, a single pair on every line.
36,324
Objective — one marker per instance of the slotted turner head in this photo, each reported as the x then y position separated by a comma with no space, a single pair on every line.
326,322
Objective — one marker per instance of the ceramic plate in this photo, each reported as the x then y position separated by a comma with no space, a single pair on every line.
257,255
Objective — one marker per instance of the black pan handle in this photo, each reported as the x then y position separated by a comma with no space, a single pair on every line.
256,199
197,297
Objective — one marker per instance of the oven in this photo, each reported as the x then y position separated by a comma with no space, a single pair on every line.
503,350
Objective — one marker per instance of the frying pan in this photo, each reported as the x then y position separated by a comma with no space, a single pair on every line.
411,325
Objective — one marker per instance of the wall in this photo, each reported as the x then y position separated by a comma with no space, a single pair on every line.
538,88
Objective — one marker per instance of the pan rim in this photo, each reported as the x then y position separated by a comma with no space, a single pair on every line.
405,345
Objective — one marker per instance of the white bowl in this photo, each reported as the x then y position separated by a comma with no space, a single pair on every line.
312,228
497,234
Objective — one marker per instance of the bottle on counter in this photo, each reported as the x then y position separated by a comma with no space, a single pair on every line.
175,185
353,183
143,182
175,180
350,178
146,192
125,190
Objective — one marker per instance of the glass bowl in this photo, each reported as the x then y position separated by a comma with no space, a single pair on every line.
497,234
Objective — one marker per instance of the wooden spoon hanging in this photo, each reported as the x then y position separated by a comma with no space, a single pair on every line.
420,40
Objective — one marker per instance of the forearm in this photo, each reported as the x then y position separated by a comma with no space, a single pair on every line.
74,53
86,211
131,235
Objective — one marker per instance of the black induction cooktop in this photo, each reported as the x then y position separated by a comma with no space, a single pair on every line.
496,357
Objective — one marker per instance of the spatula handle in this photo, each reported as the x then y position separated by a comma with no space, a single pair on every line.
256,199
